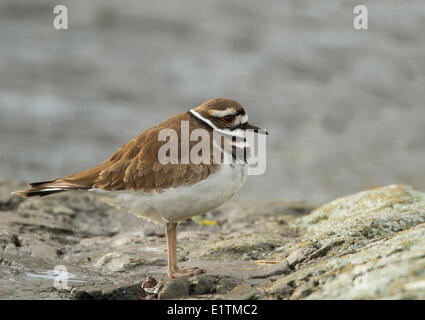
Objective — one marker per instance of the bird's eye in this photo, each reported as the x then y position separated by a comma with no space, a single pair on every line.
229,118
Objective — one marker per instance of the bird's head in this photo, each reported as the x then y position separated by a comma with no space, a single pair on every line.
225,115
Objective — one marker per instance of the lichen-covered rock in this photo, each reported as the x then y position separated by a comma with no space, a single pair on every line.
372,247
393,268
274,270
243,247
351,222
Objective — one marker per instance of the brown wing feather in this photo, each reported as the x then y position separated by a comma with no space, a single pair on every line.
136,166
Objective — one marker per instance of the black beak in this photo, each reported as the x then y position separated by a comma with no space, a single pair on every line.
247,126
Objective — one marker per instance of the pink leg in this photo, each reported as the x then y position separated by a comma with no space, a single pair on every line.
170,230
172,234
176,268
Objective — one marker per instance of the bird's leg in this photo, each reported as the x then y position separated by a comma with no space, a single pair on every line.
171,233
189,272
174,234
170,230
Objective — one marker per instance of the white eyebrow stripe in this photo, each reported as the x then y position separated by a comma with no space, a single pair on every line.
222,113
235,133
244,119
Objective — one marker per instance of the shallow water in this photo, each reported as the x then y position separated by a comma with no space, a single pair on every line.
53,275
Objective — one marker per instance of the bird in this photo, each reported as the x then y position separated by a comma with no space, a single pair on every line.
137,178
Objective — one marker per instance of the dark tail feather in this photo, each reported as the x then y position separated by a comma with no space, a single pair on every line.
45,188
37,184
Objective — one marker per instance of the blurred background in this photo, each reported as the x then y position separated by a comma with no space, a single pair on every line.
345,108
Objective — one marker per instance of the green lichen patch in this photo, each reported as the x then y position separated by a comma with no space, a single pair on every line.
390,268
244,247
367,216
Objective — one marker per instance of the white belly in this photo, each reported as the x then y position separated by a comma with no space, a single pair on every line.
176,204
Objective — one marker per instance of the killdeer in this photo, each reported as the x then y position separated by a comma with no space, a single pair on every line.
135,179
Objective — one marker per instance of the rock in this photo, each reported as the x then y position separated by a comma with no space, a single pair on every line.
195,286
374,242
204,284
243,292
382,270
221,284
11,203
349,223
11,249
299,255
301,291
132,292
243,247
275,270
119,261
281,289
174,288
